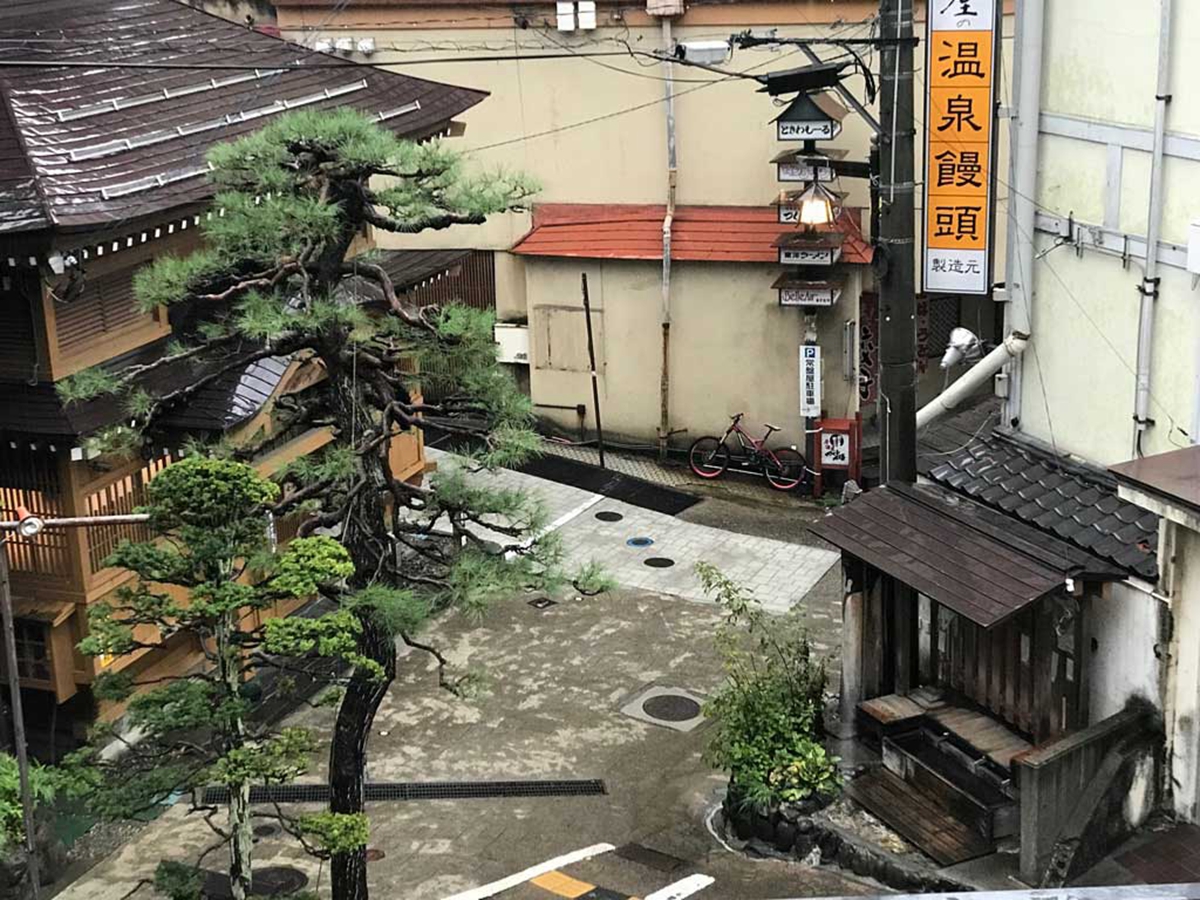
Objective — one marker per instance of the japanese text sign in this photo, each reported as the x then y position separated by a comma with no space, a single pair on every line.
810,380
959,145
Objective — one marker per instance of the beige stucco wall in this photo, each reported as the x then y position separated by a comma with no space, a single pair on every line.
1078,385
738,351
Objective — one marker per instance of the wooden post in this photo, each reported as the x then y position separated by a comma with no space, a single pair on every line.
852,658
587,315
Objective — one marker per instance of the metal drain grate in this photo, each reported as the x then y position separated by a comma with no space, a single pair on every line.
607,515
429,790
640,541
271,881
266,831
658,562
651,858
666,707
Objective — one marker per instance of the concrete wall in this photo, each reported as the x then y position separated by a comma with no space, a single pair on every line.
1184,735
1122,627
738,351
1078,388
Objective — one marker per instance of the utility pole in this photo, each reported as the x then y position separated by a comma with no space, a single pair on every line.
895,241
587,317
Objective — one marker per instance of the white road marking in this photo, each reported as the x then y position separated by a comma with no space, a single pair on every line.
560,522
683,888
504,884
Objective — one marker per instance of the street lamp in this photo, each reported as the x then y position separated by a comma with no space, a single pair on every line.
816,206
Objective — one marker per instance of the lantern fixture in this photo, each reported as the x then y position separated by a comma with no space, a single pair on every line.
816,206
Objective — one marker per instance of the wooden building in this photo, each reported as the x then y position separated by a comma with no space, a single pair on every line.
103,139
969,645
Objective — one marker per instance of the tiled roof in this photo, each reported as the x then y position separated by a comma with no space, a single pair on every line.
1074,502
83,146
707,233
961,554
234,397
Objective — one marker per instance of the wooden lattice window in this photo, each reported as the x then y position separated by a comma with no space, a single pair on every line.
119,497
33,650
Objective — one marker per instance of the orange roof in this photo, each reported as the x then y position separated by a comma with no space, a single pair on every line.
708,233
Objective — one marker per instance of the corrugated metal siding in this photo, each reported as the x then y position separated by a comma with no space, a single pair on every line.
18,340
106,306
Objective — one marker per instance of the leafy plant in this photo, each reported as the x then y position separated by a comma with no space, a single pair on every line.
768,712
810,771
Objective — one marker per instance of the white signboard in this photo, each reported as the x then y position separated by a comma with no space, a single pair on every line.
835,448
794,296
816,130
809,256
810,380
789,215
802,172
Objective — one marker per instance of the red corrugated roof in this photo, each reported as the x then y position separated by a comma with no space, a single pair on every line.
708,233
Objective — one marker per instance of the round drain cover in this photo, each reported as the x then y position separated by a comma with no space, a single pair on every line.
640,541
671,708
266,831
659,562
609,516
374,854
275,881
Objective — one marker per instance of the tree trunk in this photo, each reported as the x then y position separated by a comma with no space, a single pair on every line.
363,539
241,838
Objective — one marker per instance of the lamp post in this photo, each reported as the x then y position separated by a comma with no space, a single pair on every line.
28,526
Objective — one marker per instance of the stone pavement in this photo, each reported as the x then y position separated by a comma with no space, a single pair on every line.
780,574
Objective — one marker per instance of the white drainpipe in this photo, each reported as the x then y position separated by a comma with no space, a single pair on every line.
1023,171
972,379
664,389
1149,286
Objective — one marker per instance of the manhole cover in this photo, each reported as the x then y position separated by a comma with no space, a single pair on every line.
374,854
640,541
266,831
543,603
658,562
671,708
609,516
272,881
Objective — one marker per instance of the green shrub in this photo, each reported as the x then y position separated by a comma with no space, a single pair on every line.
769,712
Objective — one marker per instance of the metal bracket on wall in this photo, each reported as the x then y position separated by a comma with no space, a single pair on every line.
1107,240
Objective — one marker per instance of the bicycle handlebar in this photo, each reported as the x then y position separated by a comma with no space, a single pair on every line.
736,417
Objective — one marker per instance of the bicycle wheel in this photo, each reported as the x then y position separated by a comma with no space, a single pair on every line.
789,473
708,457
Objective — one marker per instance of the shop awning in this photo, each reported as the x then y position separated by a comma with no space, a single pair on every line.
970,559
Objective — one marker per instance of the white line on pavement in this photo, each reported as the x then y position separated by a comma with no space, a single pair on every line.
489,890
684,888
561,521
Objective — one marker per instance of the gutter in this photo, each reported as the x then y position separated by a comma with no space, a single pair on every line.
664,387
1014,345
1150,279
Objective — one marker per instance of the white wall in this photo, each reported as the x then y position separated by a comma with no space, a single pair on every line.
1100,62
1122,628
1185,736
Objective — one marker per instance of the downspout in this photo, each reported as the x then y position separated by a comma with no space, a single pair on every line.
1013,346
1023,169
664,387
1150,279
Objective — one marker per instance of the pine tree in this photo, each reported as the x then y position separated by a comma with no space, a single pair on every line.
205,571
275,280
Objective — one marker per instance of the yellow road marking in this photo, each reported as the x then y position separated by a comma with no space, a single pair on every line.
563,885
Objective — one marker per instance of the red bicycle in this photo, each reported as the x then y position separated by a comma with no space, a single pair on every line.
784,468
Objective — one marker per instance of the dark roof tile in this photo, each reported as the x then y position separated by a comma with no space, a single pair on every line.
90,146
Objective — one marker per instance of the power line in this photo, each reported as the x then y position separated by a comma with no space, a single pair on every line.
246,67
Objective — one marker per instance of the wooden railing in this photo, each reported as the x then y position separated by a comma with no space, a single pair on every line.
119,497
1060,782
31,482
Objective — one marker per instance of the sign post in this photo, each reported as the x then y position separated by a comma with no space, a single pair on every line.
960,136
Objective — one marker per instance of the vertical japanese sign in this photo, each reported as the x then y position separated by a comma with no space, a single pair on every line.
810,380
959,144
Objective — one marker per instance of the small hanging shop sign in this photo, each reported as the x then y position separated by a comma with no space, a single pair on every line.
807,166
822,248
810,117
794,291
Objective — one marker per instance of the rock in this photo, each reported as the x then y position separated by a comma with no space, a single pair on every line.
862,864
763,829
14,881
785,836
845,856
743,823
804,846
830,844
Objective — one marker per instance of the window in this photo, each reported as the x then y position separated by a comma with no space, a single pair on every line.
33,655
561,335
